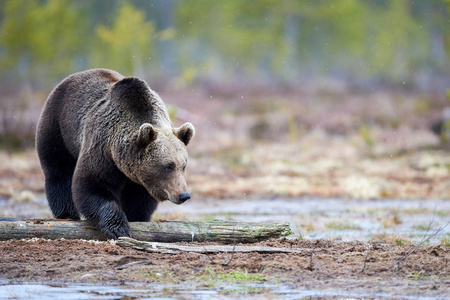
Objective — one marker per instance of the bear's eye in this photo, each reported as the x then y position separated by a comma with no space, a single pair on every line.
169,168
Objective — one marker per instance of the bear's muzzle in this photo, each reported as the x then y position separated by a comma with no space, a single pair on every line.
184,197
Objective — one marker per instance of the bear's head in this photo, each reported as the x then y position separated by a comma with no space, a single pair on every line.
161,161
155,154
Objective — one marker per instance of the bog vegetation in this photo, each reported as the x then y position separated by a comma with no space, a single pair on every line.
331,97
220,46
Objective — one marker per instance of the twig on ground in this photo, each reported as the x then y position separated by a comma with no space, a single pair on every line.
311,260
172,248
227,260
134,263
425,239
366,258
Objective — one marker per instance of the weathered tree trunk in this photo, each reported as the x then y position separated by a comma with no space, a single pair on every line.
165,231
170,248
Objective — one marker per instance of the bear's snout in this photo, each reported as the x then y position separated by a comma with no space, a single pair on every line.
183,197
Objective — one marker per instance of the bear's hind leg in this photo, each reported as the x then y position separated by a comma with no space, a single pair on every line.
137,203
58,166
58,188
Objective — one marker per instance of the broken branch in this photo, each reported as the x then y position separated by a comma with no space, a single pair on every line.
170,248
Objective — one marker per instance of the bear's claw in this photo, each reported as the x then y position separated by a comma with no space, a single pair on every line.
115,225
116,232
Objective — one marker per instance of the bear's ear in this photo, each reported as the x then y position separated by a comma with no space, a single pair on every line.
146,135
185,133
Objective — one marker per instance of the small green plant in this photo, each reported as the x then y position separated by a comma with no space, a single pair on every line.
401,242
442,213
342,226
390,239
160,276
241,277
445,241
212,278
150,275
366,136
422,226
417,275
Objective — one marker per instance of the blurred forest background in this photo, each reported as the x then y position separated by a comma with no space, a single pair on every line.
288,97
281,42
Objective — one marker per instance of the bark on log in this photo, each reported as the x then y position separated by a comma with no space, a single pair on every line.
171,248
164,231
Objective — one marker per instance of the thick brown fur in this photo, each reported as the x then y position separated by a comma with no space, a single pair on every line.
109,151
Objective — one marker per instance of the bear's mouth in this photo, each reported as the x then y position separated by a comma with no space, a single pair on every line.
165,196
174,201
159,195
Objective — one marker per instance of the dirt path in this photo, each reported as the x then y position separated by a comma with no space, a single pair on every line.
331,267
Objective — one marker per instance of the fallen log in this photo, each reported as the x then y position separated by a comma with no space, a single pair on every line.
171,248
164,231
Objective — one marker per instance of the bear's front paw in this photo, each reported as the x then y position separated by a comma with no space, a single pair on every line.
115,232
113,221
116,227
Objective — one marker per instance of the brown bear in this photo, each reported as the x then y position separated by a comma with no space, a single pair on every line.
109,151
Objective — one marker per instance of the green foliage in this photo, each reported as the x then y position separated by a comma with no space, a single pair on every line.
127,45
392,37
42,38
362,36
260,40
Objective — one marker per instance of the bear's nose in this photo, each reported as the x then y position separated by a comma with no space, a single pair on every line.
184,196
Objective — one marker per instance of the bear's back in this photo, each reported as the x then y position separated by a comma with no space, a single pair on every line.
69,103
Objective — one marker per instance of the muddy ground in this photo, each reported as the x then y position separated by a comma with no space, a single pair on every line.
362,180
341,268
